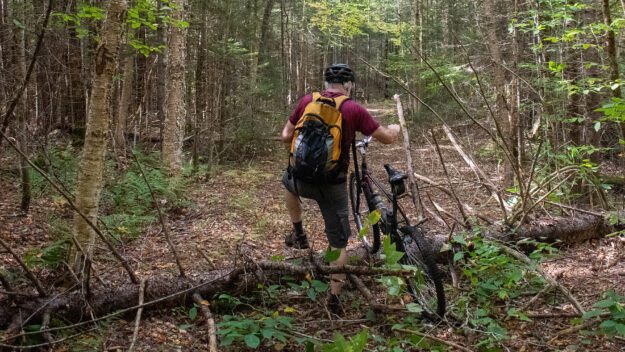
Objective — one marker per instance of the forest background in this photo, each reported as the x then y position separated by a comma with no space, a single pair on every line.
94,92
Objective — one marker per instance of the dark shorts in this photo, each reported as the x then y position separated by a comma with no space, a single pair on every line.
332,201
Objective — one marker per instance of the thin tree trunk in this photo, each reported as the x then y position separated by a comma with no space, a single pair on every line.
612,59
124,104
175,117
502,112
89,183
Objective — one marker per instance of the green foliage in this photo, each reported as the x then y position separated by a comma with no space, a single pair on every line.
357,343
332,255
493,277
83,20
51,256
252,331
391,255
311,288
61,165
613,306
145,14
614,111
130,201
371,219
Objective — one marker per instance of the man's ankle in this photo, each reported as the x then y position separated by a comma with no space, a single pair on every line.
299,228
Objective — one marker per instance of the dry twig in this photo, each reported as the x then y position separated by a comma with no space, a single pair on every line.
414,188
550,280
161,217
29,274
135,332
69,198
437,339
210,322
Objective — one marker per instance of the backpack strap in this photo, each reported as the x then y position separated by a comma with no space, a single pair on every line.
340,100
316,96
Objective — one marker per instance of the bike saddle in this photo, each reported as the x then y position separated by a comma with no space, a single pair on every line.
394,176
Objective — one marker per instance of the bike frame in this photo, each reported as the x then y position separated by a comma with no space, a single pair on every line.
365,184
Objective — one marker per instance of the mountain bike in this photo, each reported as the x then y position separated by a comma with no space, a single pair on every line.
367,194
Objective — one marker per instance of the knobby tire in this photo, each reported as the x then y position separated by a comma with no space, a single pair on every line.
425,287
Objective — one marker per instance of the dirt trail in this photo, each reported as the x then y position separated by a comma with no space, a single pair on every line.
240,211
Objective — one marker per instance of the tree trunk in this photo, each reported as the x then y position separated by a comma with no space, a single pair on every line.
175,116
612,60
502,110
124,104
89,183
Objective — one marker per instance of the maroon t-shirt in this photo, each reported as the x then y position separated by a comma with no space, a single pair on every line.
355,119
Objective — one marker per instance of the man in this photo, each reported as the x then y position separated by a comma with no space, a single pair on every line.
331,196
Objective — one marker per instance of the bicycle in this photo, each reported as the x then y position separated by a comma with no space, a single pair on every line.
425,285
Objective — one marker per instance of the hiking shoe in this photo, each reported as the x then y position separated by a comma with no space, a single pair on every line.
295,241
334,305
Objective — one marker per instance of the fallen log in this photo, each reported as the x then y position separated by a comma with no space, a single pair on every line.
165,292
159,293
565,230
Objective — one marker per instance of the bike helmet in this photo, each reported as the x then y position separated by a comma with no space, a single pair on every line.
338,73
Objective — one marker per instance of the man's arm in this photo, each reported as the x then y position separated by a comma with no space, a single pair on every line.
386,135
287,132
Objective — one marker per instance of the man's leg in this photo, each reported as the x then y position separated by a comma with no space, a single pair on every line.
294,207
334,208
337,280
297,238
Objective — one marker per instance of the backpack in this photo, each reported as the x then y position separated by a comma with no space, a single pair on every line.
317,138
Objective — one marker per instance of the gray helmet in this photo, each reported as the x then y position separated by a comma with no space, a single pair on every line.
338,73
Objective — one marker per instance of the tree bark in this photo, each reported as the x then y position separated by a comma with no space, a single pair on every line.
502,109
124,104
175,116
89,183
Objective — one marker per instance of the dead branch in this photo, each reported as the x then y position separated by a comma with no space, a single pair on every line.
434,338
327,269
8,288
414,189
467,223
525,211
29,274
45,322
31,66
69,198
442,211
203,254
481,175
466,207
210,322
355,280
161,217
574,208
135,333
120,300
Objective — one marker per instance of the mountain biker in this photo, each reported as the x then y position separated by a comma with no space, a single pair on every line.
331,196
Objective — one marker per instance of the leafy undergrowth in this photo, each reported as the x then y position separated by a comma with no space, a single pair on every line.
497,303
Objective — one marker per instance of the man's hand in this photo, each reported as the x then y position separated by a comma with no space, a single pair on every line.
386,135
395,128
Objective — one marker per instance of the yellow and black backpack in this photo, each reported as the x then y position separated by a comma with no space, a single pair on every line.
316,144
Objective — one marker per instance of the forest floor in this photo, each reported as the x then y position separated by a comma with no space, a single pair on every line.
239,211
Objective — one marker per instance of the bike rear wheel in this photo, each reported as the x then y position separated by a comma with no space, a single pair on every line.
360,211
425,285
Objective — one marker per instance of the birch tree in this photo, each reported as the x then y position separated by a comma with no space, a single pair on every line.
175,115
89,185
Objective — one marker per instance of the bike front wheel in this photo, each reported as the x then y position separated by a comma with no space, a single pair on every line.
360,211
425,285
